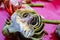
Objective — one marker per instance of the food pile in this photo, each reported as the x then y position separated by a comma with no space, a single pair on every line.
24,23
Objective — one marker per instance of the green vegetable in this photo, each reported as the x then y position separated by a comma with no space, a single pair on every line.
51,21
37,5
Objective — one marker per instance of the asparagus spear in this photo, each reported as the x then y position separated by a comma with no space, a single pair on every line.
51,21
37,5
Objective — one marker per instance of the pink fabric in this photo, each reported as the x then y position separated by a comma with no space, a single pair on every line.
51,11
3,16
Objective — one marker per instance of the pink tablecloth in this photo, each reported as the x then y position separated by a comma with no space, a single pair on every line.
51,11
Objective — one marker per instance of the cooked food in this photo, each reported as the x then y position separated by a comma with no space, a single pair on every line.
25,24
